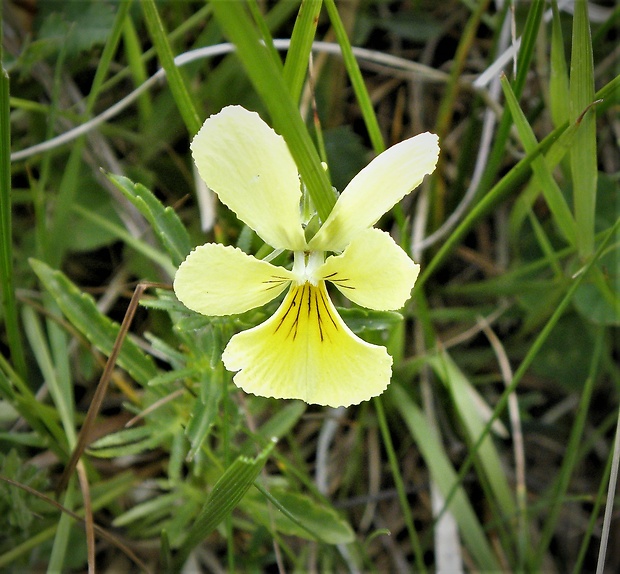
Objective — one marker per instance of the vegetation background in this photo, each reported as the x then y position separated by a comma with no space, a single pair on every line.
492,448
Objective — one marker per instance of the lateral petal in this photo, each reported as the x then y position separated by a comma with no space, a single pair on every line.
222,280
373,271
253,173
305,351
376,189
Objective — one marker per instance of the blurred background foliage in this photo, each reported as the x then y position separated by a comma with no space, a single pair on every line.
492,448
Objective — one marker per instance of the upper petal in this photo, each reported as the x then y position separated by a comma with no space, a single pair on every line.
223,280
376,189
305,351
372,271
252,171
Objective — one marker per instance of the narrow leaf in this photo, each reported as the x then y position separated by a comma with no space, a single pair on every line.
81,311
558,79
551,190
357,81
304,31
270,85
583,153
226,494
446,479
177,85
299,515
7,281
164,220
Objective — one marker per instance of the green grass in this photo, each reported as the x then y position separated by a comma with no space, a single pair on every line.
493,446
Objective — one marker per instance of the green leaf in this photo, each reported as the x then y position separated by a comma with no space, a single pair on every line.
462,394
8,311
355,76
271,86
205,410
584,167
179,90
226,494
296,63
81,311
280,423
598,298
78,25
299,515
160,504
131,441
164,220
558,79
361,320
444,475
551,191
84,235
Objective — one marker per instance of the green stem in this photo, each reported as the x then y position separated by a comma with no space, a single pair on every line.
7,279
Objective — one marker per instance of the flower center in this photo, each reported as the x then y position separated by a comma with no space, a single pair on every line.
305,265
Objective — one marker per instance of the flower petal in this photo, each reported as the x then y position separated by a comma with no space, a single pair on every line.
305,351
222,280
372,271
376,189
252,171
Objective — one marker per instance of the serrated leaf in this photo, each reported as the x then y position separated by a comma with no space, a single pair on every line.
205,410
164,221
314,521
80,309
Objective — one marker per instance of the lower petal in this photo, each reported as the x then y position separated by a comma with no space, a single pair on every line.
305,351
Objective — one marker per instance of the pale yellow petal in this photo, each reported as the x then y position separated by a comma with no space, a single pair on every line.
376,189
372,271
252,171
305,351
222,280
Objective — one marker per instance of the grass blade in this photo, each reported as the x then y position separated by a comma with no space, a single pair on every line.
7,282
570,458
446,478
357,81
558,79
178,88
551,190
271,86
296,62
583,153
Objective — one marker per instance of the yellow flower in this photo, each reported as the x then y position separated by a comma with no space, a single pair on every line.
305,350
